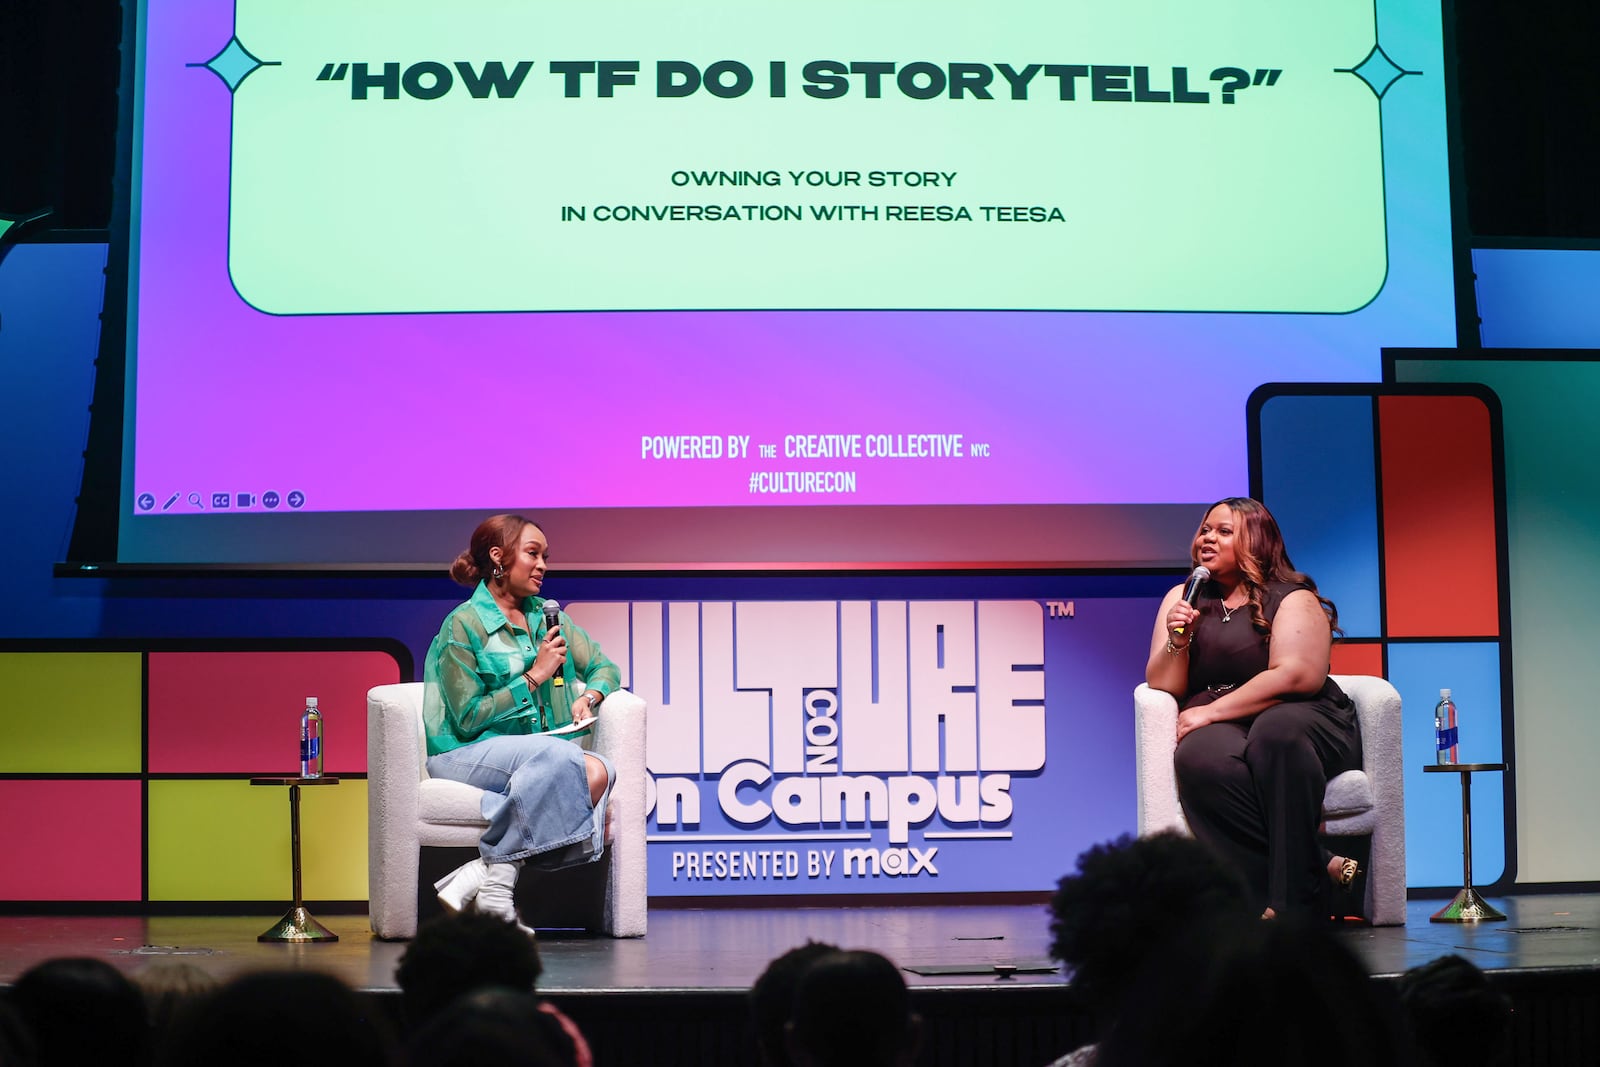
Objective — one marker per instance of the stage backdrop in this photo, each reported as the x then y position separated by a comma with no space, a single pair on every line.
49,295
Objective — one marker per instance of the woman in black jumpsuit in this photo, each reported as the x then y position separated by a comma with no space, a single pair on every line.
1261,727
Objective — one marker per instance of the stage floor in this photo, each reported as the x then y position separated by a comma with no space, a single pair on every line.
723,950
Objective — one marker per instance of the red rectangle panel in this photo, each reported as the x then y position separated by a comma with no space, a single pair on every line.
66,839
1440,569
239,712
1357,657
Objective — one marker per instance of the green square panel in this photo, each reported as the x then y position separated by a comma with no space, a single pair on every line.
213,839
71,712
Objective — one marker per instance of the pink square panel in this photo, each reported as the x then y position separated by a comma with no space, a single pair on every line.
239,712
66,839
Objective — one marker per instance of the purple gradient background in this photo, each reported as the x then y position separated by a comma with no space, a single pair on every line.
366,413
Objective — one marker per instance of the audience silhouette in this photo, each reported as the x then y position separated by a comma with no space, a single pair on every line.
494,1025
16,1040
1157,934
56,998
1253,993
772,1000
172,990
1456,1016
852,1009
454,957
1129,899
281,1017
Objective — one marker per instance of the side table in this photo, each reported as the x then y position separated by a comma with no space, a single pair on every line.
1467,906
297,923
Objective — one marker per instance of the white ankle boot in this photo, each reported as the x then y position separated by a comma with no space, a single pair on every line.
457,888
495,896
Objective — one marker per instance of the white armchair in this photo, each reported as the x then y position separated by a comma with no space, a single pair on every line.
1369,801
406,809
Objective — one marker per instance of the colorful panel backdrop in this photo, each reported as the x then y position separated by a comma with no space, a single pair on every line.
1389,497
153,749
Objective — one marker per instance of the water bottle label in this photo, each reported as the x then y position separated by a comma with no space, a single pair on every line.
309,746
1447,737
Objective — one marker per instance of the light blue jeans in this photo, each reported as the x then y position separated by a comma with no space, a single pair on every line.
536,798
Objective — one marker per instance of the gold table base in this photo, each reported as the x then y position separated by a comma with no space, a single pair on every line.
1468,907
297,925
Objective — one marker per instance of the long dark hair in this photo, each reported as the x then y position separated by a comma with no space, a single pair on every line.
1258,546
497,531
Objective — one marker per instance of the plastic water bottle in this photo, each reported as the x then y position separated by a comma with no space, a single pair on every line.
311,741
1444,729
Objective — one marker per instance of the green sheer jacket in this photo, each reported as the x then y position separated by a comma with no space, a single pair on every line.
474,684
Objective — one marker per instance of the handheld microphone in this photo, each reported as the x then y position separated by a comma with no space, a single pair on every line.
1191,589
552,620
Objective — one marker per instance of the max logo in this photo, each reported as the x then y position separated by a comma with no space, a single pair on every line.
428,80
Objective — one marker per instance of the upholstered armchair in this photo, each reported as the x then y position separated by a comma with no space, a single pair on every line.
408,811
1370,801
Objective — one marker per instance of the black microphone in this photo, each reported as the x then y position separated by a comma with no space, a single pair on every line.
552,619
1191,589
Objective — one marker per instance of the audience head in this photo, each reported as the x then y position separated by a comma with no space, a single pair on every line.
281,1017
1456,1016
171,990
456,954
16,1042
852,1009
502,1027
772,997
56,999
1128,899
1253,993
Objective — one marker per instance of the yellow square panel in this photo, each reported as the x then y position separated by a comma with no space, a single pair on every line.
71,712
216,839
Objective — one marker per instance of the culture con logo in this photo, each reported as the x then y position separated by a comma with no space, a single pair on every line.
890,719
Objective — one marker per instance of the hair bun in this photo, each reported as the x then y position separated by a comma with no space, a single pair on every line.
464,571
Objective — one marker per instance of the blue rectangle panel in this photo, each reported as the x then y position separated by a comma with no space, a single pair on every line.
1471,671
1538,297
1319,480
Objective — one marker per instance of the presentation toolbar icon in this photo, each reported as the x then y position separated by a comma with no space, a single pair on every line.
297,499
171,500
269,499
245,500
146,501
221,500
196,502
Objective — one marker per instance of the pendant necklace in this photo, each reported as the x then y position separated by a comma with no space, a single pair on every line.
1227,613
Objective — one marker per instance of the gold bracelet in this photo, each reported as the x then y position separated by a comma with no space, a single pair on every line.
1174,650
